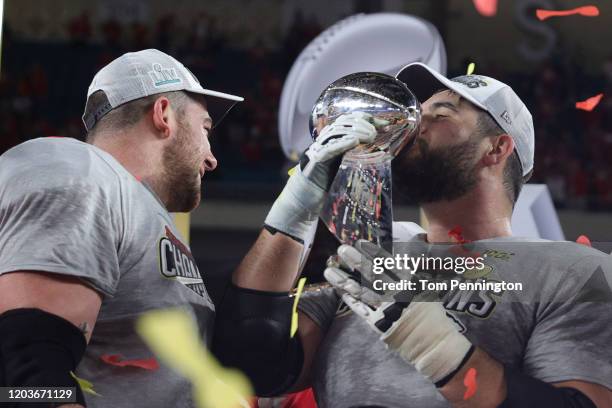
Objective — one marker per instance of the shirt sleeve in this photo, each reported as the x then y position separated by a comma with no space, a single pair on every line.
69,226
320,304
572,339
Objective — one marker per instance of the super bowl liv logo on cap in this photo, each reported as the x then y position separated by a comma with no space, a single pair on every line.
164,76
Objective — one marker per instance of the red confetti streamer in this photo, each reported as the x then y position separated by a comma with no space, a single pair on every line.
117,360
457,234
587,11
470,382
466,245
584,240
486,8
302,399
590,103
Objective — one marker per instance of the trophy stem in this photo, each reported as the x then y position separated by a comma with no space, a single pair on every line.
359,203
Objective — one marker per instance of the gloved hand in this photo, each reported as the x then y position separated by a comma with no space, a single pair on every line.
299,204
420,332
320,161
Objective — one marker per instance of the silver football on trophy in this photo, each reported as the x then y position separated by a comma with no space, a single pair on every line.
396,112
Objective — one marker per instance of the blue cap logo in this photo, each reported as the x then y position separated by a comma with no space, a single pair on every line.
164,76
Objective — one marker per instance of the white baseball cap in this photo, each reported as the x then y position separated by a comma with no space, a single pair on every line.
485,92
135,75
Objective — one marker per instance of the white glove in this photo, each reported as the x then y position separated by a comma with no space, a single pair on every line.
347,131
420,332
298,206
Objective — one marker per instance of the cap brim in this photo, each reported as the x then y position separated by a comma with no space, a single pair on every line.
221,95
219,105
424,82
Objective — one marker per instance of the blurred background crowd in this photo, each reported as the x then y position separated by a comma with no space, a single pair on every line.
49,60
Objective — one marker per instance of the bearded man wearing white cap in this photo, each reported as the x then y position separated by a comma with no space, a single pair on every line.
547,346
87,240
544,346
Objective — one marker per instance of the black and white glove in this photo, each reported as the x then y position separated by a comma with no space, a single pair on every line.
298,206
420,332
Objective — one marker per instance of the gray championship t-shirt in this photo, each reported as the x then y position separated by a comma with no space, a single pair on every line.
558,328
69,208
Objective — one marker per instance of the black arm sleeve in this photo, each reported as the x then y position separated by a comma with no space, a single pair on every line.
252,334
39,349
524,391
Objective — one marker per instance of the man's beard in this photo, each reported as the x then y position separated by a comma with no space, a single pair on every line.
181,176
437,174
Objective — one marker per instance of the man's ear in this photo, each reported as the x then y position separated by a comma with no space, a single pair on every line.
161,116
501,147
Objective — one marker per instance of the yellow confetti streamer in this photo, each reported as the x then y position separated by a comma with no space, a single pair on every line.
294,315
174,338
294,156
86,386
471,68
